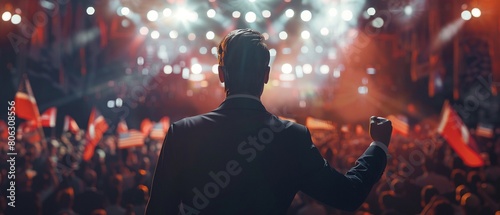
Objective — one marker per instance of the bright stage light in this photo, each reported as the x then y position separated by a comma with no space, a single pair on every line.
196,68
466,15
192,16
250,17
167,12
6,16
332,12
124,11
476,12
167,69
289,13
203,50
318,49
140,61
324,31
272,52
173,34
408,10
324,69
182,49
305,35
90,11
347,15
155,35
15,19
211,13
306,15
251,1
191,36
236,14
215,68
286,68
363,90
307,68
371,11
265,35
152,15
283,35
111,103
210,35
266,13
378,22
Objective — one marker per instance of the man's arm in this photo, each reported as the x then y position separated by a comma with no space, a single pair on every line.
349,191
164,198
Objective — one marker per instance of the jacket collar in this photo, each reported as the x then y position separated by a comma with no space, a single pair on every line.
242,101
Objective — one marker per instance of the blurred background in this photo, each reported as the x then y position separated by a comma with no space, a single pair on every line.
101,80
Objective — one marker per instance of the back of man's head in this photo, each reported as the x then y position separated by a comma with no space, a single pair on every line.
244,59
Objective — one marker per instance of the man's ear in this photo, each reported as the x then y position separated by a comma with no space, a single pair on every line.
221,74
266,74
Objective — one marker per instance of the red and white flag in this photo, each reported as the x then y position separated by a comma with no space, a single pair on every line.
457,135
70,125
399,124
160,129
28,131
485,130
146,126
131,138
48,118
96,127
26,107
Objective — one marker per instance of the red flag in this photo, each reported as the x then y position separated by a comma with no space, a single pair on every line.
96,127
70,125
26,107
122,127
457,135
48,118
146,126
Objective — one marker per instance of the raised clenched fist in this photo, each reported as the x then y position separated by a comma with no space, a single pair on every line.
380,129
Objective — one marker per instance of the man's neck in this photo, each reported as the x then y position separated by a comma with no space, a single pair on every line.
242,95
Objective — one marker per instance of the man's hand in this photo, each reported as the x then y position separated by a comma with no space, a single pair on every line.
380,130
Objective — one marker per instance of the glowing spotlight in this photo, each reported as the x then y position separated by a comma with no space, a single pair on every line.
191,36
324,31
196,68
203,50
378,22
307,68
371,11
155,34
210,35
265,35
272,52
476,12
363,90
347,15
6,16
466,15
182,49
324,69
125,11
167,12
408,10
173,34
167,69
111,103
305,35
152,15
15,19
289,13
332,12
286,68
215,68
250,17
236,14
306,15
90,11
251,1
266,13
211,13
192,16
283,35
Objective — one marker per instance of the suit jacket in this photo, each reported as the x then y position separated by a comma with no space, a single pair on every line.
241,159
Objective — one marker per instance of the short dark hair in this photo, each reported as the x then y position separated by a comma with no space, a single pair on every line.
244,57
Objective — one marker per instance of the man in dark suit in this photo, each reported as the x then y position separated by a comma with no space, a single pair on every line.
241,159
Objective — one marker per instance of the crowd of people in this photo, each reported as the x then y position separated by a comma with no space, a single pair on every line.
423,176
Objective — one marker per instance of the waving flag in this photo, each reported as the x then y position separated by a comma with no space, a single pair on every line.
96,127
26,107
29,132
457,135
122,127
485,130
131,138
48,118
146,126
399,124
160,129
70,125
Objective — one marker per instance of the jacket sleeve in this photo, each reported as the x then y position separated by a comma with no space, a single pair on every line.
343,191
165,198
